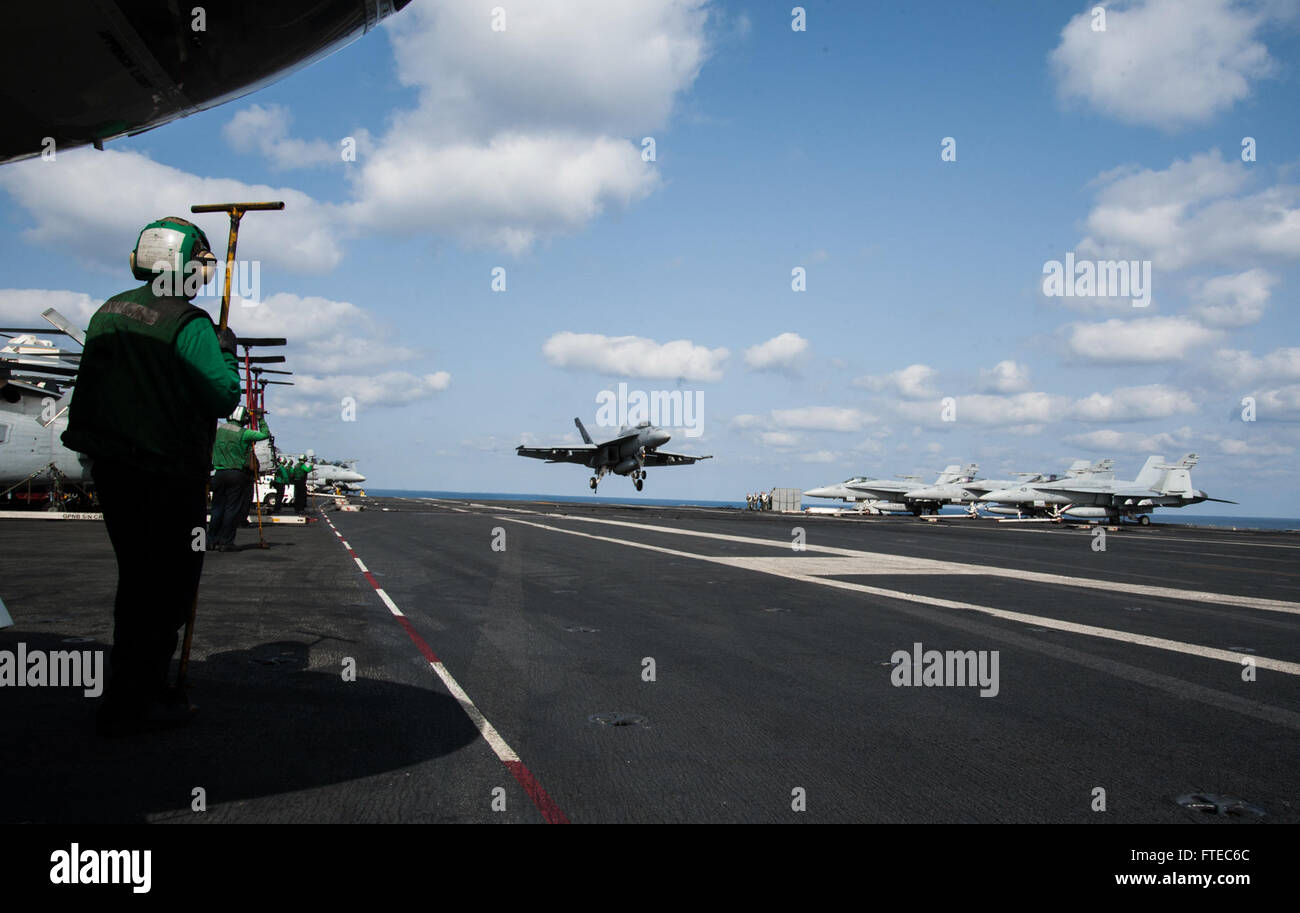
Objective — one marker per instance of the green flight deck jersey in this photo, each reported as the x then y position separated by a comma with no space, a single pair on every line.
234,444
152,383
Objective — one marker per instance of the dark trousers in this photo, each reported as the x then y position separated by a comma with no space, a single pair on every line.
158,570
230,488
300,496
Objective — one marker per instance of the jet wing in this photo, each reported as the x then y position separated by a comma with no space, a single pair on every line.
881,490
1121,491
574,453
660,458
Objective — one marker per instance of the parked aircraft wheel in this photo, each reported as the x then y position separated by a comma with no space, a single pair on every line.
271,502
638,484
1144,520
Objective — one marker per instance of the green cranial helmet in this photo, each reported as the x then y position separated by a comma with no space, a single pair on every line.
173,245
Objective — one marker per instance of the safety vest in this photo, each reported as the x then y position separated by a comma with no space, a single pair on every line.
133,402
230,450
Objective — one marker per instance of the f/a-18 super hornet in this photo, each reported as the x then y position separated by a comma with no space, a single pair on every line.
36,379
970,491
887,495
1159,484
628,454
337,476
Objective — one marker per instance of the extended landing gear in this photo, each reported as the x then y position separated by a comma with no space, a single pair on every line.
638,483
593,483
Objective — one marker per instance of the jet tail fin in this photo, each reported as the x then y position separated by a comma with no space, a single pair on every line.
948,475
586,438
1151,472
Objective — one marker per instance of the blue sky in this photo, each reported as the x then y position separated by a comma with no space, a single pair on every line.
775,149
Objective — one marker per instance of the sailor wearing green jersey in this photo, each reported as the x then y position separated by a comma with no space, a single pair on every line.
232,477
154,378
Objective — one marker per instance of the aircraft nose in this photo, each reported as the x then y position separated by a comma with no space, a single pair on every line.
824,492
659,438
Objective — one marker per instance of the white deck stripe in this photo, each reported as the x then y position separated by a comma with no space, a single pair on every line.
777,567
499,746
392,606
901,564
486,729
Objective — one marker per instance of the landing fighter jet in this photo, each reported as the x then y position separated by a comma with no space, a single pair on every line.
1158,485
628,454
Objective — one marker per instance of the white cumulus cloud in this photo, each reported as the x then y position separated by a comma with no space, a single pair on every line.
822,418
1235,300
1131,404
1165,63
783,354
92,205
1144,340
634,356
1237,367
1194,212
1005,377
912,382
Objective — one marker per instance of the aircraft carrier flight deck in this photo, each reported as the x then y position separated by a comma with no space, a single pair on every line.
452,660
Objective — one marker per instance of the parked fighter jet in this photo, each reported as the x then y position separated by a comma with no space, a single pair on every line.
886,495
335,476
626,455
1157,485
35,387
970,491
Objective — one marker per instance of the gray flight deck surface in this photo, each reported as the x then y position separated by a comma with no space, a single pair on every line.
772,671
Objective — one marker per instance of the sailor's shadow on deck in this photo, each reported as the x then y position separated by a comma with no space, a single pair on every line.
267,726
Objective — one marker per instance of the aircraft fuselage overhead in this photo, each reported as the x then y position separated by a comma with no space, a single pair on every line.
143,63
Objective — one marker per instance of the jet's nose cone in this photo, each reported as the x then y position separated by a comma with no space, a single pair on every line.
823,492
659,438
